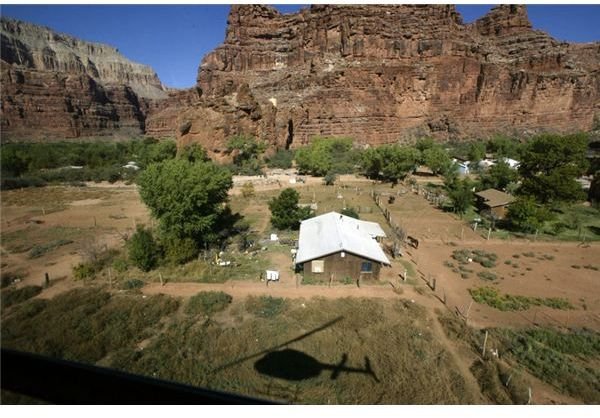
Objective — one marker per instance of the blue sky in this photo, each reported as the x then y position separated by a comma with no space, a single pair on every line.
173,39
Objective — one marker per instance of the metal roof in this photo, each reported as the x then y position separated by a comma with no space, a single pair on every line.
332,232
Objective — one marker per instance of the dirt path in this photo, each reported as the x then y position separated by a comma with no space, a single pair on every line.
463,363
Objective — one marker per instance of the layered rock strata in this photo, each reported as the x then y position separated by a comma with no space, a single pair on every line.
55,86
383,74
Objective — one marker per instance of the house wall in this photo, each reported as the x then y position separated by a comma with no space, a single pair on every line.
499,212
342,267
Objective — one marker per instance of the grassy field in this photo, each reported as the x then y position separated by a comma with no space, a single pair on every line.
346,351
566,360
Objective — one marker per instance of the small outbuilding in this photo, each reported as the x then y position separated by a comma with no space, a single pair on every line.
338,246
494,201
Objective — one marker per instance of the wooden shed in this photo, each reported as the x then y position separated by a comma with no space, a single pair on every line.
494,201
338,246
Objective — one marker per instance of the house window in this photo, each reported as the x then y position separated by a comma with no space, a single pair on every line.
318,266
366,267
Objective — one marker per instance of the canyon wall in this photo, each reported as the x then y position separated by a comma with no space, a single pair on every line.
55,86
383,74
378,74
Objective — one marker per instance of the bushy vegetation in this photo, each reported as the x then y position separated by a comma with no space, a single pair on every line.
561,359
142,249
33,164
327,155
265,306
550,164
187,197
132,284
285,212
492,297
245,151
486,259
390,162
39,250
208,303
12,297
282,158
86,324
351,212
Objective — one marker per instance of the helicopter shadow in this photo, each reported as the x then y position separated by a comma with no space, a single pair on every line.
283,362
290,364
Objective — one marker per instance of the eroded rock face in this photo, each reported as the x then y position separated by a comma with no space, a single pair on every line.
384,74
55,86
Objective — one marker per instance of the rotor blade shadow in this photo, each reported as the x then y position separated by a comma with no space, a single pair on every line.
268,350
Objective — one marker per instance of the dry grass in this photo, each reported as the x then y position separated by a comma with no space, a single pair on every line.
408,364
390,354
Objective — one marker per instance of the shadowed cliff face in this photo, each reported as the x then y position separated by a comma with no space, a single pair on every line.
56,86
383,74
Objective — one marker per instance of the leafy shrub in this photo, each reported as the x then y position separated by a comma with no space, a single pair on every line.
265,306
486,275
490,296
329,179
133,284
179,251
84,271
41,249
207,303
143,250
281,159
10,183
120,265
14,296
351,212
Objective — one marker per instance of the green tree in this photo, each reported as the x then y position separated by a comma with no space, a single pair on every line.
437,159
193,153
526,215
499,176
157,152
142,249
549,166
502,146
398,162
476,152
13,162
325,155
281,159
424,144
372,162
285,213
188,199
594,193
179,250
351,212
461,195
245,151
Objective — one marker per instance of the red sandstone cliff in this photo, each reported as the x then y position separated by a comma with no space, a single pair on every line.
382,74
56,86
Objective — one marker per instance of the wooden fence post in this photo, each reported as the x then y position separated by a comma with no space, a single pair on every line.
484,344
